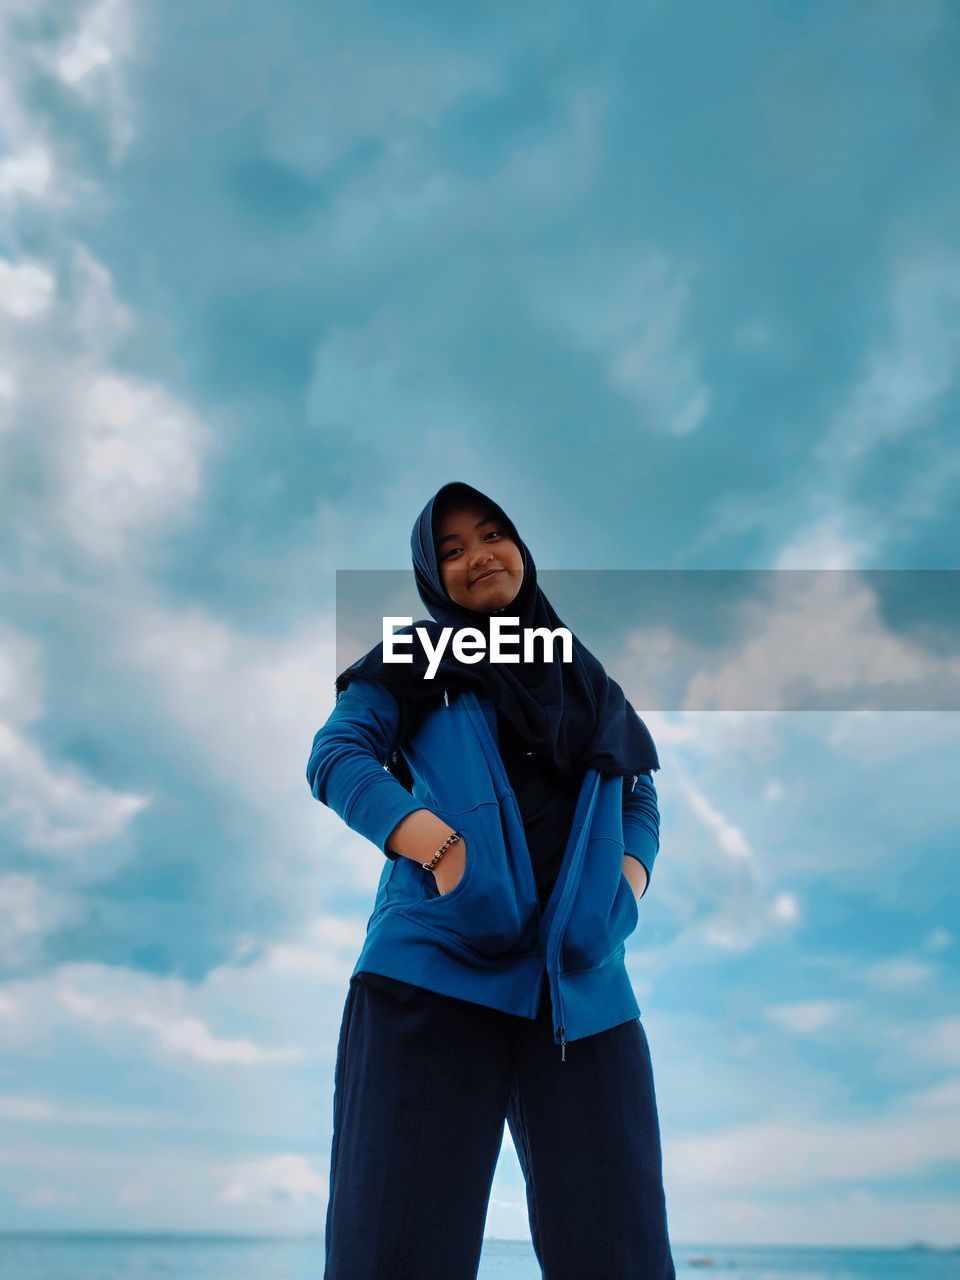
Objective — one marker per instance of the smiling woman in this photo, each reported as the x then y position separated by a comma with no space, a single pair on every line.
492,969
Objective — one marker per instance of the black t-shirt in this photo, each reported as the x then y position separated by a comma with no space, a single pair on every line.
546,805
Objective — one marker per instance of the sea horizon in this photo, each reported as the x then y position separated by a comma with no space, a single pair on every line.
194,1254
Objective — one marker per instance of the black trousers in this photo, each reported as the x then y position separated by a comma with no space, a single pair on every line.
422,1085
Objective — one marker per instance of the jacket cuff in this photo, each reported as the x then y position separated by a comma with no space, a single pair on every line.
379,808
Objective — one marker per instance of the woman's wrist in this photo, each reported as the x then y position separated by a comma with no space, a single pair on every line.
420,835
636,873
451,866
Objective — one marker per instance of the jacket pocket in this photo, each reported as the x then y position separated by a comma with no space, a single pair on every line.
482,910
405,884
605,910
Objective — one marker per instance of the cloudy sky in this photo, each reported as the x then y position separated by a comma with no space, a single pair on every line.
678,283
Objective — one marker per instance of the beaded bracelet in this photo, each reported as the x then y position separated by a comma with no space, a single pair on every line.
428,866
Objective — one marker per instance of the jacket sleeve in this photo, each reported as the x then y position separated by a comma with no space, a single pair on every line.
641,822
347,766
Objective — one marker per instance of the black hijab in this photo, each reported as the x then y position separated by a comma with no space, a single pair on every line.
571,712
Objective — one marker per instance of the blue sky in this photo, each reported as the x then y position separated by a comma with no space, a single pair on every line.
680,284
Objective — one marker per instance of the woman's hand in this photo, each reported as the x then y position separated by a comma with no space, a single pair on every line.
636,873
449,870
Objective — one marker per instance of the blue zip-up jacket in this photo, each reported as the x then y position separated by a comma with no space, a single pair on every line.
487,940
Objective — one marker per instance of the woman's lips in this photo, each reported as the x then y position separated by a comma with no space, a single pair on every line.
489,574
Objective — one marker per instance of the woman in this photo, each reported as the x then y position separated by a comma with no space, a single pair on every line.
519,824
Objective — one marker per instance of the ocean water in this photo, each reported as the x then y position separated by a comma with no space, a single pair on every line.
172,1257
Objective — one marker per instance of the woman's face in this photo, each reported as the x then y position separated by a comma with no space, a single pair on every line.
472,541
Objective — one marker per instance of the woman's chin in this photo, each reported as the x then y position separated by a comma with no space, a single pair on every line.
494,606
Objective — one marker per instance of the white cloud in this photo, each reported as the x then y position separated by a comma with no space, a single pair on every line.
938,940
864,737
903,385
247,1013
8,396
53,807
899,1142
27,289
27,165
326,950
31,911
35,1109
288,1177
937,1040
119,456
44,1197
563,163
907,374
168,1188
27,172
784,908
91,61
20,679
728,836
177,1033
98,316
852,1216
717,890
899,973
82,55
941,1097
901,388
805,1016
246,708
128,462
735,919
819,637
827,543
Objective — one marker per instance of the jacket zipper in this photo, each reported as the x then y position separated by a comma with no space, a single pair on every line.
557,929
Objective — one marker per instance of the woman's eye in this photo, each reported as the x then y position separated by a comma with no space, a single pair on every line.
493,533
